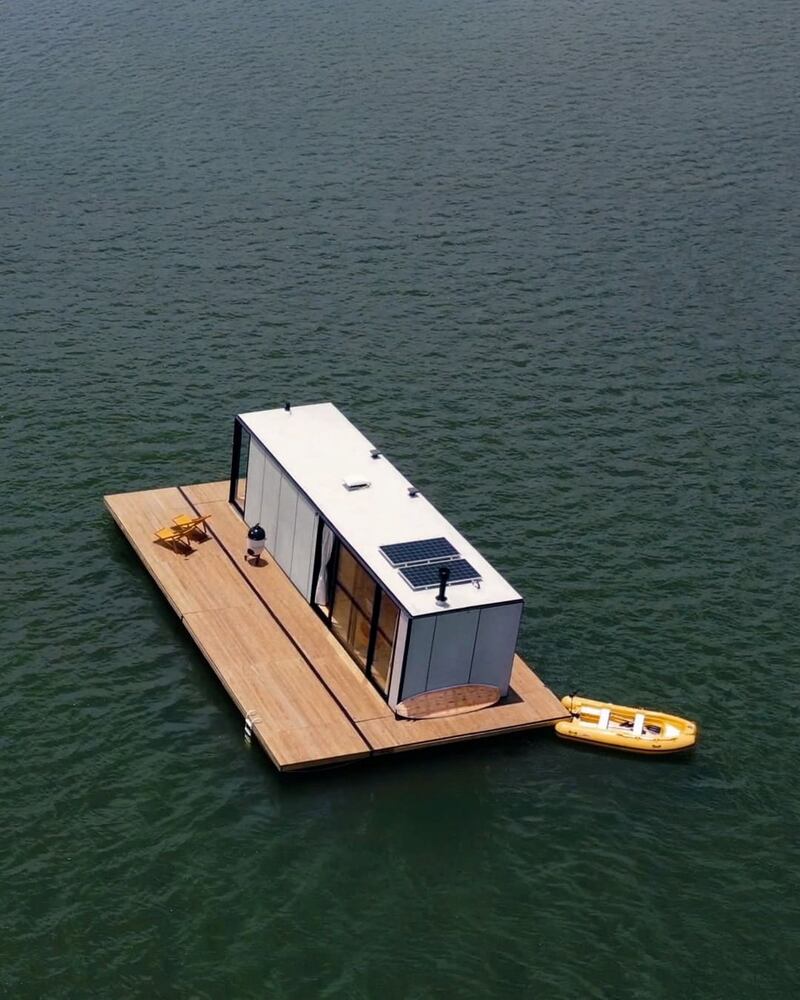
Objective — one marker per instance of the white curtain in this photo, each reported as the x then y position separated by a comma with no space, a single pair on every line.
321,593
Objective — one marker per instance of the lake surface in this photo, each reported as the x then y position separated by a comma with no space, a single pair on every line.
545,254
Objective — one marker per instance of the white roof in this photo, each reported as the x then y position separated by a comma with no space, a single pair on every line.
319,448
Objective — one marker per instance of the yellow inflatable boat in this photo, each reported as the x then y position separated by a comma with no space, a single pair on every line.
639,730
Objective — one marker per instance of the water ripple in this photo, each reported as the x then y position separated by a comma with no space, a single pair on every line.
545,255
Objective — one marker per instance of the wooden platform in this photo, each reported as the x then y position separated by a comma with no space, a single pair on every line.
307,701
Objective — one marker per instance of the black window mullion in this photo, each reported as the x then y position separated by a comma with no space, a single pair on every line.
237,447
352,600
373,627
337,548
317,560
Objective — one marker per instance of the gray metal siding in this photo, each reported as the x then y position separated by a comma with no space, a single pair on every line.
305,536
495,645
256,457
419,644
284,533
453,642
270,494
474,646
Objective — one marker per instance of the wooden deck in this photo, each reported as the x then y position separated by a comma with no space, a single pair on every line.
307,701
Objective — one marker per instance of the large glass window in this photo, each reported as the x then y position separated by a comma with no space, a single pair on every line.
384,641
367,631
353,601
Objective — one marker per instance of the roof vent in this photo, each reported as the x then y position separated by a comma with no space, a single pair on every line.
444,576
352,483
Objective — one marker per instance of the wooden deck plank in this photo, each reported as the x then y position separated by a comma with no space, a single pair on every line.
209,492
199,581
295,717
350,686
533,690
240,643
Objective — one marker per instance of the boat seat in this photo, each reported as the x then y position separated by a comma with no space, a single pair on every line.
605,715
638,724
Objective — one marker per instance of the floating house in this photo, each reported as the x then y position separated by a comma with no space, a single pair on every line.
368,601
366,549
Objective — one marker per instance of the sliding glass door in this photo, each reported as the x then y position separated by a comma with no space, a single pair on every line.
361,615
380,667
353,604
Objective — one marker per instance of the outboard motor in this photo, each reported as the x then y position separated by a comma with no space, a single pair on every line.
256,540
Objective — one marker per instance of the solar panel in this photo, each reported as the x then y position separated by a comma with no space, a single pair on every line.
426,575
425,551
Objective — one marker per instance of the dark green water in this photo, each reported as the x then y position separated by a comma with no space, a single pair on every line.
546,255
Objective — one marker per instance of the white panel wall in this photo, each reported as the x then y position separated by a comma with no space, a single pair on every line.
420,644
453,642
495,645
270,493
284,532
256,458
288,519
305,537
